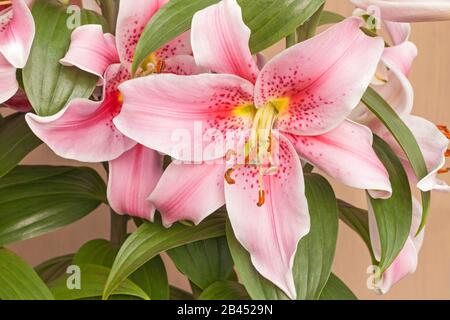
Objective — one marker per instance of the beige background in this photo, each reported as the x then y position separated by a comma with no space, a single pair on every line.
431,78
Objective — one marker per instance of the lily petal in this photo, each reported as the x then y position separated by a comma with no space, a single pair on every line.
402,56
18,102
181,45
317,83
346,154
409,10
16,33
220,40
91,5
8,81
132,178
182,65
398,31
91,50
433,145
406,261
182,115
189,192
131,21
271,232
83,130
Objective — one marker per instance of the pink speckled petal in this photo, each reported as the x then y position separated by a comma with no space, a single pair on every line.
399,32
346,154
406,261
84,130
8,81
91,50
182,65
131,21
409,10
270,233
220,41
132,178
322,79
181,45
433,145
189,192
185,117
16,33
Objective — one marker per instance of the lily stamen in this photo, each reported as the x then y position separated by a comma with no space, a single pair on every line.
5,3
443,171
444,130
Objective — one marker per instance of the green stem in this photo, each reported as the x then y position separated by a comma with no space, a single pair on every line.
110,9
118,229
308,29
290,40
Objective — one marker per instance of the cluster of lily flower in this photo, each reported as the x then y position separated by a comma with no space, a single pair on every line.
303,106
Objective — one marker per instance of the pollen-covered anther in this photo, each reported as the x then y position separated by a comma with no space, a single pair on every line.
444,170
261,198
444,130
228,177
447,153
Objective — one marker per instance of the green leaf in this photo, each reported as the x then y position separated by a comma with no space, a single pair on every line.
179,294
39,199
225,290
335,289
18,281
273,20
48,84
204,262
328,17
52,269
404,137
16,141
98,252
93,279
358,220
393,215
269,20
315,252
150,239
152,278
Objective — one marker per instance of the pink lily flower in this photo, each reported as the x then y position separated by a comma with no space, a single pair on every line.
393,85
306,93
407,260
16,37
84,129
409,10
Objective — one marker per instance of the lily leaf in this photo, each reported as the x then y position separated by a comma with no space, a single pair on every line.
16,141
335,289
204,262
50,85
394,215
52,269
93,279
225,290
150,239
38,199
18,281
404,137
